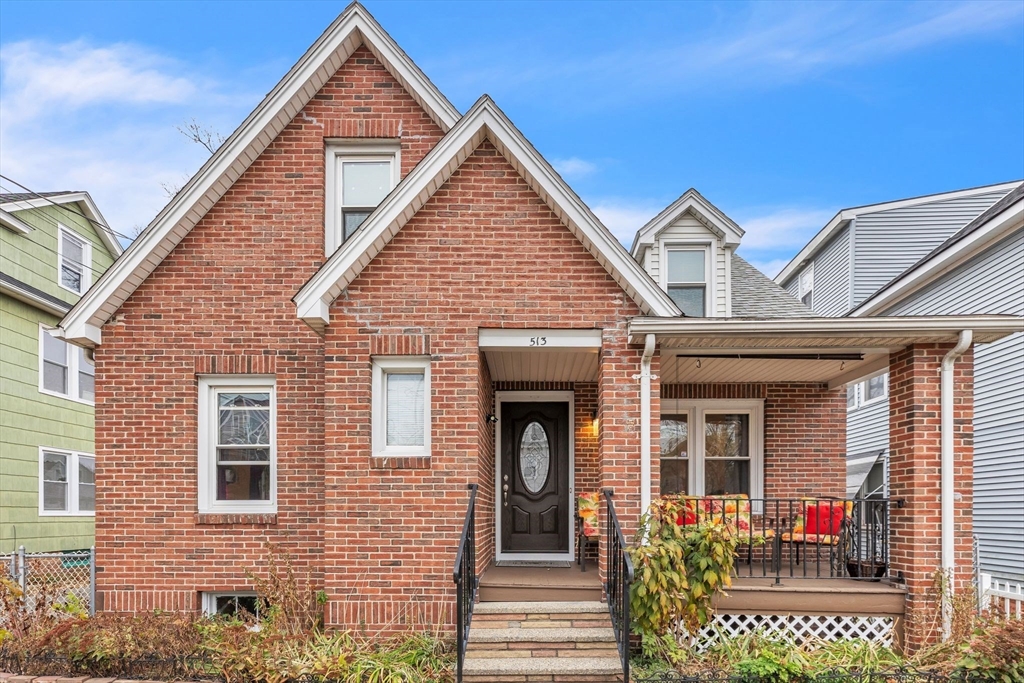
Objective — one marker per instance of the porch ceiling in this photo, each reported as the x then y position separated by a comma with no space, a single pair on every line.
541,365
755,350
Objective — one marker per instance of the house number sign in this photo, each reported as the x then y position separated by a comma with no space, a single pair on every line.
538,341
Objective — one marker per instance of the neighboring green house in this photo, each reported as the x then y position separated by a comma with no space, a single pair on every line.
53,246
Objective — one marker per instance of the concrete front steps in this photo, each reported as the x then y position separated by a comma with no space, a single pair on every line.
514,642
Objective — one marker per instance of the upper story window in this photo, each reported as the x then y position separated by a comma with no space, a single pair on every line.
359,175
401,406
237,449
64,369
686,279
871,390
74,254
806,286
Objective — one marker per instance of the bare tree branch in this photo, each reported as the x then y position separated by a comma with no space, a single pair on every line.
201,135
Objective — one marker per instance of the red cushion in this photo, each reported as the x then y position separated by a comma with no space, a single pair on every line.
824,518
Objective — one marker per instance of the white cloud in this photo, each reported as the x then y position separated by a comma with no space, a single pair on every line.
624,218
573,167
39,76
782,228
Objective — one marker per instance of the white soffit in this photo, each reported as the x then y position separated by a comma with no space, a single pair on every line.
709,369
554,365
483,121
354,27
690,202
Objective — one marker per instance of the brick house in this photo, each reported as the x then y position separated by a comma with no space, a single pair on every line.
366,302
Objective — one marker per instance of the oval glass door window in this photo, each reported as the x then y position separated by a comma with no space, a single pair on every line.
534,457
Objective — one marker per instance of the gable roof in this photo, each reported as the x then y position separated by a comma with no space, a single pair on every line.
353,28
694,203
483,121
841,219
755,295
1002,218
11,203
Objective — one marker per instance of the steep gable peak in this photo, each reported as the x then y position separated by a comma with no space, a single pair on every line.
484,121
693,203
353,28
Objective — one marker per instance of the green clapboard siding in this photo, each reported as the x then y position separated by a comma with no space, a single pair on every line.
30,419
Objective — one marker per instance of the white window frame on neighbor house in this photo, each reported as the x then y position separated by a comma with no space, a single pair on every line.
805,286
209,600
862,390
210,386
695,413
342,151
64,233
75,360
383,366
709,280
72,499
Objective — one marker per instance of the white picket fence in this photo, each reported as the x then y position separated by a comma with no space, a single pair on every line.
999,595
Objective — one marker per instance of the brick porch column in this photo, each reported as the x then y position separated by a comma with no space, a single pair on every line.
914,476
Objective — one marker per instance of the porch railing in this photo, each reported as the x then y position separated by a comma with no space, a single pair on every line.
620,577
802,538
466,581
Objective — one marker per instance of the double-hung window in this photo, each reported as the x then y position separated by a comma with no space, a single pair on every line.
67,483
359,176
871,390
806,286
64,369
712,447
401,406
686,279
237,449
74,254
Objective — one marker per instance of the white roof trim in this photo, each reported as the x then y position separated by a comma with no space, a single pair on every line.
919,276
484,121
987,328
354,27
841,218
693,202
92,213
9,220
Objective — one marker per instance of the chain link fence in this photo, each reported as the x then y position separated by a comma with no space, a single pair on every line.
60,577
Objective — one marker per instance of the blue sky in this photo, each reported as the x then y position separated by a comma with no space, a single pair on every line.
779,113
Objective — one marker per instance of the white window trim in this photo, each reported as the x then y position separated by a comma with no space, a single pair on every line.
695,411
86,259
805,283
862,391
351,150
209,599
72,356
709,274
209,386
73,492
382,366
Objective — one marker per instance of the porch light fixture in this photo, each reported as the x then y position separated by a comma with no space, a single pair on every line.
492,418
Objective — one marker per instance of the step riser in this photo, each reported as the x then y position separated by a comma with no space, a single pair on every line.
535,678
577,621
542,594
543,650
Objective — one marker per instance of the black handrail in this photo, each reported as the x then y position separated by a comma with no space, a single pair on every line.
466,581
619,566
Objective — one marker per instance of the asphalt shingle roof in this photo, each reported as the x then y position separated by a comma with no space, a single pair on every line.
754,295
22,196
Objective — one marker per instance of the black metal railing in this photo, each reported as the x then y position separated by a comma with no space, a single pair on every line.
801,538
466,581
619,566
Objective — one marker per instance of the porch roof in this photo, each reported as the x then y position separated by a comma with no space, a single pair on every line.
838,351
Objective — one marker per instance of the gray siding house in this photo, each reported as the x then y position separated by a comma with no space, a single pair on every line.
948,254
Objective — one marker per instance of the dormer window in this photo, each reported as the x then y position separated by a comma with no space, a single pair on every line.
359,175
686,279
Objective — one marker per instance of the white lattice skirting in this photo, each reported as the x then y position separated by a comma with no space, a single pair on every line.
798,629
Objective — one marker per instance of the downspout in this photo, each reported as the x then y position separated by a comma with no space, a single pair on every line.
645,423
946,470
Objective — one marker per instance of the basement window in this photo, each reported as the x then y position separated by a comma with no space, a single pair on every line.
359,175
236,604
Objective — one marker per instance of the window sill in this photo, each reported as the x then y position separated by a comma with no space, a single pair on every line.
392,462
225,518
66,397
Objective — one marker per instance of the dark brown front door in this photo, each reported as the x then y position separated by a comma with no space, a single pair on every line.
535,467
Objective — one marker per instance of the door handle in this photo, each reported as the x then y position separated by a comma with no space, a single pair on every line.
505,490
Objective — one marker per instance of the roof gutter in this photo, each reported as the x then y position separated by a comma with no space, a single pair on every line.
645,422
946,473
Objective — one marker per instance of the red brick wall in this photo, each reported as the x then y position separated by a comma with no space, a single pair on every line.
915,477
221,303
804,433
411,287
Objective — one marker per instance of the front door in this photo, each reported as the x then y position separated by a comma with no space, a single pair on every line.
534,486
